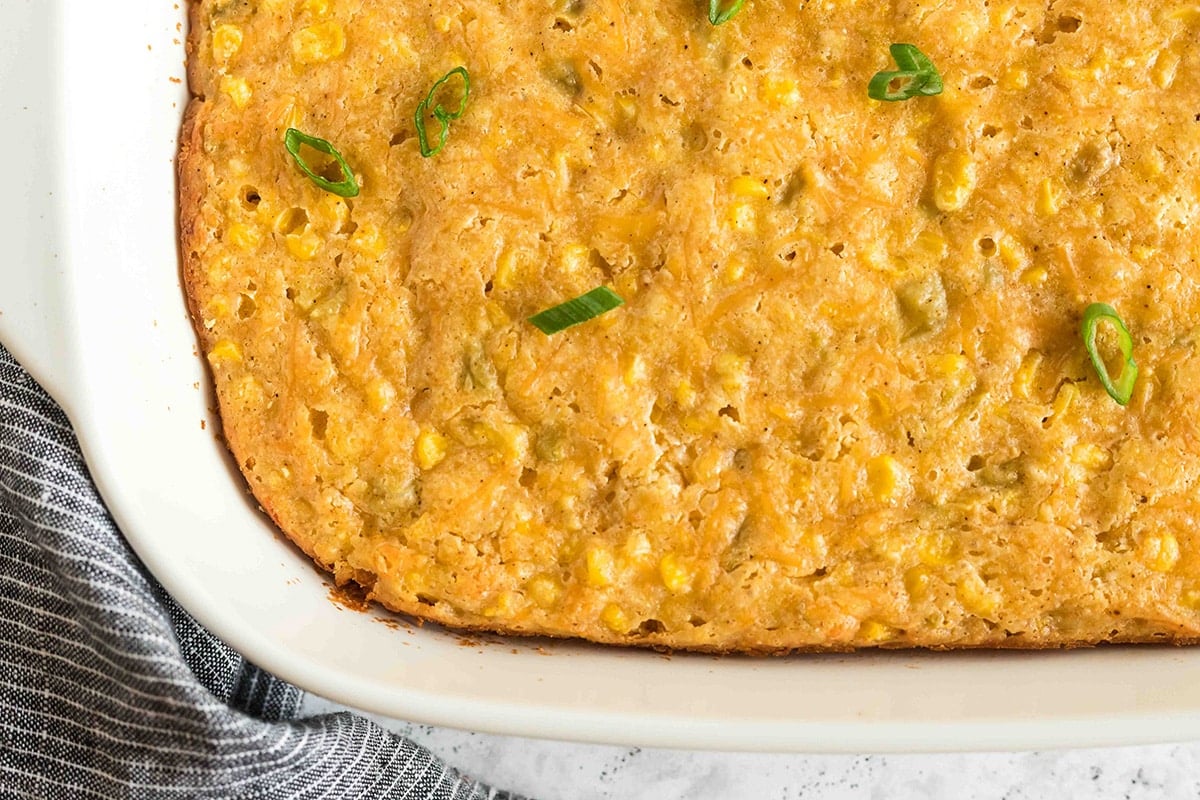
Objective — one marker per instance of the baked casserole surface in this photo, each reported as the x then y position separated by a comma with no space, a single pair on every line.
846,401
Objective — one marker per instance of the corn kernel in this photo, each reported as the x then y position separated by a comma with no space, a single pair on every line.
226,42
877,258
685,394
848,482
1143,253
545,590
779,411
885,478
511,440
600,566
225,350
576,258
238,166
369,241
1160,551
953,180
741,217
1066,397
732,369
745,186
443,23
627,109
431,448
1012,254
568,509
1023,379
249,391
380,395
291,220
635,371
505,277
931,244
414,581
216,308
627,284
1188,13
449,549
1191,598
219,270
287,112
881,404
614,617
629,228
1016,79
333,210
949,365
237,90
1166,66
496,315
317,43
954,368
917,581
874,632
243,236
506,604
675,574
1034,276
1091,456
936,548
781,91
304,246
317,7
709,464
1049,200
1092,209
735,269
636,546
975,596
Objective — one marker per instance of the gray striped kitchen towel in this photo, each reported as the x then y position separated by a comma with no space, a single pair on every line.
109,689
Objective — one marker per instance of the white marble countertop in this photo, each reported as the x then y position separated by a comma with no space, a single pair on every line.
549,770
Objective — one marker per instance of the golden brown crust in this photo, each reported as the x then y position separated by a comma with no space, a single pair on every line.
423,614
845,404
196,74
189,168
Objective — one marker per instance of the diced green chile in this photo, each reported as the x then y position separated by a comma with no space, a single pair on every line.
923,304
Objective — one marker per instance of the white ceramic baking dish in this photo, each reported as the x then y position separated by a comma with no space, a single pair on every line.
91,97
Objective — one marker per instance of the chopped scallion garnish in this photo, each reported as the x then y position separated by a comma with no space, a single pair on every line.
586,307
346,187
439,112
721,11
917,76
1120,389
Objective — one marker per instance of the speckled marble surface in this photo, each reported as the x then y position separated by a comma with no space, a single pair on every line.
567,771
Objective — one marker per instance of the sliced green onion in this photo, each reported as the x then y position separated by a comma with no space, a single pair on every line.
586,307
440,113
1120,389
718,15
346,187
917,76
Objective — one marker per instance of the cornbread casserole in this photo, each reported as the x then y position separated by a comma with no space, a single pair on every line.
847,401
